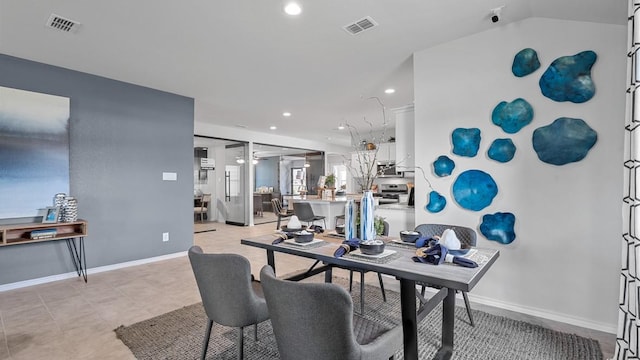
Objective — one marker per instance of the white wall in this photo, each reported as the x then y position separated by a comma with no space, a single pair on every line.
565,261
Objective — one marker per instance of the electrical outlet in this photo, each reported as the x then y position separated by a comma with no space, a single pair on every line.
165,236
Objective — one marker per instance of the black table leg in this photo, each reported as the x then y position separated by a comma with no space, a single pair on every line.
328,274
448,312
78,256
409,322
271,260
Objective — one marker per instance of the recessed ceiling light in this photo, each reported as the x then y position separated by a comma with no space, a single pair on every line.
286,114
340,127
272,127
389,91
292,8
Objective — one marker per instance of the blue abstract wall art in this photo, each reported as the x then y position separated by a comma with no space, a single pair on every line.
499,227
525,62
564,141
513,116
568,78
34,151
436,202
443,166
474,190
502,150
466,142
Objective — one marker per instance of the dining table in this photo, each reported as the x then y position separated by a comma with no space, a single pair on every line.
396,262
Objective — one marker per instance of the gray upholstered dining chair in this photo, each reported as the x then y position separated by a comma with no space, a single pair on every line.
304,212
385,232
316,321
467,236
281,212
229,295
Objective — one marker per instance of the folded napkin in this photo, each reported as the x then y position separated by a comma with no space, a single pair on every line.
424,241
281,236
435,255
438,253
346,247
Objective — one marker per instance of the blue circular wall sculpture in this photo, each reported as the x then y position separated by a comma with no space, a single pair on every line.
474,190
568,78
513,116
525,62
501,150
466,142
443,166
564,141
436,202
499,227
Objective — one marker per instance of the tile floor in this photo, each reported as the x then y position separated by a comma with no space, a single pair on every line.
72,320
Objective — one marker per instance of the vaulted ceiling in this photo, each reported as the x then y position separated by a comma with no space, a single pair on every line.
246,62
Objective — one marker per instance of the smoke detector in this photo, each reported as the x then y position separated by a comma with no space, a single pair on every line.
361,25
62,24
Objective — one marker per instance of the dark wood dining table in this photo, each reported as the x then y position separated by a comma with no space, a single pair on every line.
450,278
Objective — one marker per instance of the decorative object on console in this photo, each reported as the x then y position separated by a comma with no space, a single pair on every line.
568,78
330,181
51,214
70,209
58,201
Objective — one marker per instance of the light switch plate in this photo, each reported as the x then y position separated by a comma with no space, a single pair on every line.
165,236
169,176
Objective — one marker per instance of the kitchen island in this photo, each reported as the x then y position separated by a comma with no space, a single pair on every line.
323,207
399,216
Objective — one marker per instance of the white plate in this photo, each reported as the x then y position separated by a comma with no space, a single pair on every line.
385,253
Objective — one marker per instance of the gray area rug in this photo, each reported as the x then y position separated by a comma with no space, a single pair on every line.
179,334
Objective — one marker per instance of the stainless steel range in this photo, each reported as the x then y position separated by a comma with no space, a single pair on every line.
390,193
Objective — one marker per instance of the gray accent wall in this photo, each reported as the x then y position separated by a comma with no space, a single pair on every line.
122,138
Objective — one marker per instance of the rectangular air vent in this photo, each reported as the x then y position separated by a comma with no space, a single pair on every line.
63,24
361,25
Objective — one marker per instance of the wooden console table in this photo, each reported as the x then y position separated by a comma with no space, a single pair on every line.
15,234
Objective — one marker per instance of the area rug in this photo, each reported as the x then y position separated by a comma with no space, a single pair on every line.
178,335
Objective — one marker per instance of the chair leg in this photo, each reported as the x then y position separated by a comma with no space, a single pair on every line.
240,343
384,295
350,280
424,288
362,293
278,224
255,332
466,303
205,343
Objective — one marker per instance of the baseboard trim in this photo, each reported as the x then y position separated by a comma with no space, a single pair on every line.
96,270
543,314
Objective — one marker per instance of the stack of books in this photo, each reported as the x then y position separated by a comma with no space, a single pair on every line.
43,234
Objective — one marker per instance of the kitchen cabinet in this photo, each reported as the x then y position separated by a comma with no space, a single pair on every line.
399,216
386,152
405,138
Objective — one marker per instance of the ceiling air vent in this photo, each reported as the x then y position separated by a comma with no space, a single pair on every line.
63,24
360,25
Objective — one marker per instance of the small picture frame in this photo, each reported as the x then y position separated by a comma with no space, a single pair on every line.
51,214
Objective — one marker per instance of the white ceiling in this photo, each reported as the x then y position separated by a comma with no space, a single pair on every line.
245,61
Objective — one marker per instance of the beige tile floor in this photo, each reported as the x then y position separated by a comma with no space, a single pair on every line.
72,320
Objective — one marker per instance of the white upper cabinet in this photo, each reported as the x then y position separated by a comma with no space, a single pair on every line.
386,152
405,140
